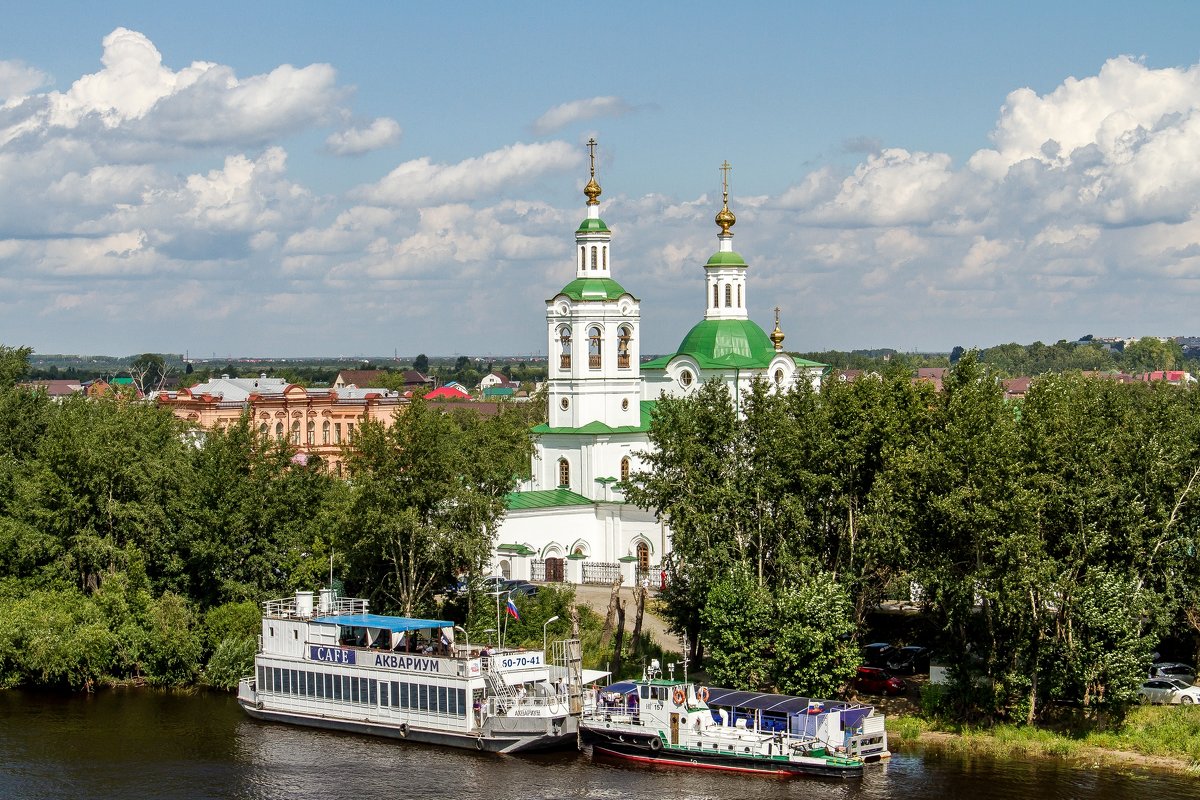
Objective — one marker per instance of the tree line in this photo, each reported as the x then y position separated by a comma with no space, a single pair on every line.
136,549
1050,543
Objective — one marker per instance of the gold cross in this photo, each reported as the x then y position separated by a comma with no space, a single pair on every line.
725,168
591,145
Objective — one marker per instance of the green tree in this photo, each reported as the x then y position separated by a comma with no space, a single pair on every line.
14,365
421,363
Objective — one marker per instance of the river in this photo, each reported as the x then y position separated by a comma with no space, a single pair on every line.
141,744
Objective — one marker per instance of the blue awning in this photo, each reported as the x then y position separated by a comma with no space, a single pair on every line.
770,703
382,622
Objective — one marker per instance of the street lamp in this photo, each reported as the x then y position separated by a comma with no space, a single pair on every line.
544,624
464,630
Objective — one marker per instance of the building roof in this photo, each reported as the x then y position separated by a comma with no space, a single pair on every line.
237,390
56,387
723,343
499,391
596,427
546,498
358,377
592,224
726,259
593,289
447,393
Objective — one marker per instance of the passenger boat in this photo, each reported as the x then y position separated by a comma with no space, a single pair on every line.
340,667
677,723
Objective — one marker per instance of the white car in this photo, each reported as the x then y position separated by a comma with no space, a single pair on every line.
1169,690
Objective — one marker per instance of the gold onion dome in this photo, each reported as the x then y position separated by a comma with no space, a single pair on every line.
725,219
592,190
777,336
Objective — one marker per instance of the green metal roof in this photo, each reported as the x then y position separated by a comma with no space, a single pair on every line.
647,406
547,498
730,259
804,362
592,225
718,343
594,289
519,549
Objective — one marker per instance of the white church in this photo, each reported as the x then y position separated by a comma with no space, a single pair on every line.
570,521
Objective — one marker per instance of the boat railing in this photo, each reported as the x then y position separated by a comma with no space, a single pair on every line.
288,607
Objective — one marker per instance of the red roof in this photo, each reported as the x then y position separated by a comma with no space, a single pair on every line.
446,393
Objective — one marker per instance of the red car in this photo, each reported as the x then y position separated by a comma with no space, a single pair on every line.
874,680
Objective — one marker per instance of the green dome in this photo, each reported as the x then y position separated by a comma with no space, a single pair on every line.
728,343
592,225
730,259
593,289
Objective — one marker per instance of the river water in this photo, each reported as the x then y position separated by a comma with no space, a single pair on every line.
137,744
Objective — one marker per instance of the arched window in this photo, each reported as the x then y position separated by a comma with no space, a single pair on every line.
643,557
605,249
594,343
312,433
564,472
624,336
593,256
262,430
325,432
728,295
739,305
625,469
295,431
583,257
564,339
337,433
716,297
279,430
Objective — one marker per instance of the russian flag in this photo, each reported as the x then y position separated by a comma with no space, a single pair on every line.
511,608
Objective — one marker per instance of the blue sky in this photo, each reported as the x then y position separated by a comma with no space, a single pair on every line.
299,178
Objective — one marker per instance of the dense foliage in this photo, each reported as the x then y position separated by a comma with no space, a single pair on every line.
133,549
1050,543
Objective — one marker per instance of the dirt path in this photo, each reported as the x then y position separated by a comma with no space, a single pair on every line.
596,598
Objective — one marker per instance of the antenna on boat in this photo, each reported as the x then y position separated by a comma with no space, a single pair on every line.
683,641
331,568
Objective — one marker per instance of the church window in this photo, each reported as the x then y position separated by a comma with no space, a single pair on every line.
716,296
594,343
583,258
605,255
739,305
564,338
625,404
564,403
728,295
624,335
625,469
685,378
564,472
593,256
779,377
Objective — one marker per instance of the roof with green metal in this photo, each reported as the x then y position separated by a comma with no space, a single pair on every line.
647,408
547,498
592,225
718,343
729,259
594,289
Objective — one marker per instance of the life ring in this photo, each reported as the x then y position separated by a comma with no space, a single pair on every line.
702,693
678,696
656,744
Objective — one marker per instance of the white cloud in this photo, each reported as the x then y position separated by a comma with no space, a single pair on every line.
421,182
565,114
18,79
383,132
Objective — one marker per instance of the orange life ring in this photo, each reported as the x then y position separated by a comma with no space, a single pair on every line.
702,693
678,696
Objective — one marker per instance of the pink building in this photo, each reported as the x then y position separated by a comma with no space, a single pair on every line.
316,421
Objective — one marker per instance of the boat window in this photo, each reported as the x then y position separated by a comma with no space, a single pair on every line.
644,691
295,682
443,705
303,688
422,697
383,693
395,694
337,689
453,698
320,686
374,692
346,688
276,683
329,687
287,682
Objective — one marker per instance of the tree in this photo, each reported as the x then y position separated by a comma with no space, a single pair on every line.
14,364
421,364
149,372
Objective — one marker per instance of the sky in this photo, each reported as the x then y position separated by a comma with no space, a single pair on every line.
302,178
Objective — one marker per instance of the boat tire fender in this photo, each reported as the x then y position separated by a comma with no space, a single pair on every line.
656,744
403,730
479,743
678,696
702,693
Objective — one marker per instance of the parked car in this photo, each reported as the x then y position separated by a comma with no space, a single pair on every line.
876,654
1169,690
909,660
522,588
1173,669
875,680
492,583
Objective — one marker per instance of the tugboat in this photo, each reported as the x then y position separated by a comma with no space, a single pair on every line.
677,723
340,667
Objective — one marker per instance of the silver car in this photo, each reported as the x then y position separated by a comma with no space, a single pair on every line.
1173,669
1169,690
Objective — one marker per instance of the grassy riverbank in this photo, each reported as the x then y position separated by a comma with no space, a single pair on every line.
1166,737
